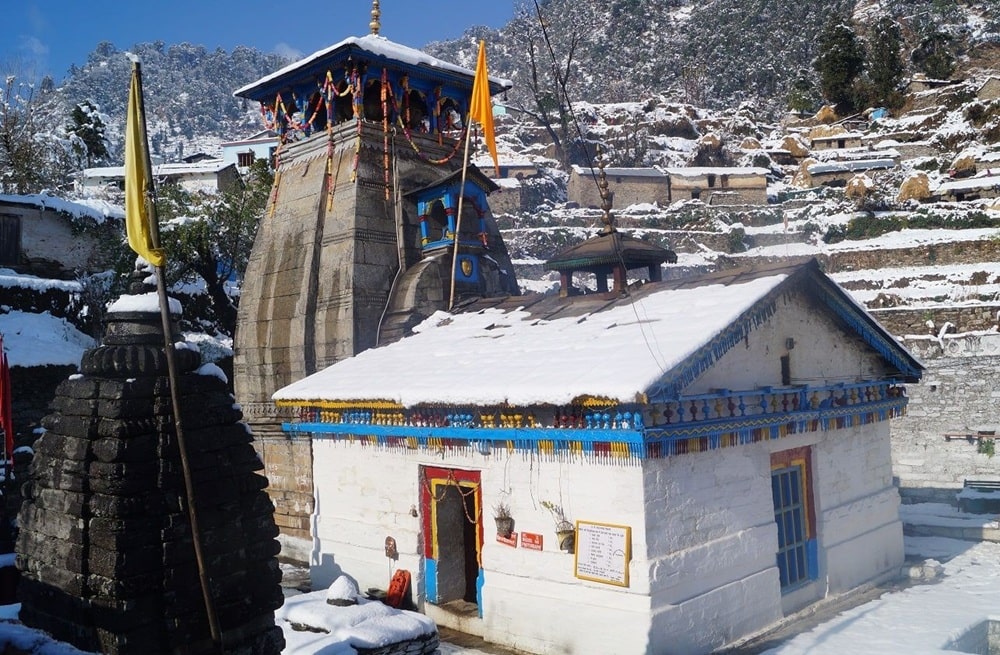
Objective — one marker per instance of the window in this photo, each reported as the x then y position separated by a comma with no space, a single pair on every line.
245,159
794,516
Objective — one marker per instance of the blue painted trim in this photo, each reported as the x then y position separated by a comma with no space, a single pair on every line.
431,580
705,357
812,558
480,580
865,327
450,243
471,435
718,427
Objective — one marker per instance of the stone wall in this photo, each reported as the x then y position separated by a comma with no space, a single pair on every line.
952,252
960,392
903,321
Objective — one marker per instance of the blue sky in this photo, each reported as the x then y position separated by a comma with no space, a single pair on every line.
47,36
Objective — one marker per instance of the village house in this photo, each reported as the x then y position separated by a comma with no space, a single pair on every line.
920,83
970,188
837,141
207,176
244,152
631,186
685,462
718,185
837,173
988,162
42,235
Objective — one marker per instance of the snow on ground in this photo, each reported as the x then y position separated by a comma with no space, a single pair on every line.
369,624
42,339
926,618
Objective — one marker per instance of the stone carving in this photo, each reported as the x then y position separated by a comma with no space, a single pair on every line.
105,546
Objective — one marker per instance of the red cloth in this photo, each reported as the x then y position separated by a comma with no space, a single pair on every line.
6,410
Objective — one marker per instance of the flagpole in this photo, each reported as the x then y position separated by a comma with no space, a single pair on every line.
168,349
480,109
458,218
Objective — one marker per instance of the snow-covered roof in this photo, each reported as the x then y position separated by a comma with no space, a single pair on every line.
851,166
605,354
375,45
838,137
96,209
970,183
263,136
698,171
615,171
163,170
597,347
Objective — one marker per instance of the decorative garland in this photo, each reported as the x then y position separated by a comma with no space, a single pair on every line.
449,482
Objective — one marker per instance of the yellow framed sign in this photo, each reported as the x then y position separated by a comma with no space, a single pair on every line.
603,552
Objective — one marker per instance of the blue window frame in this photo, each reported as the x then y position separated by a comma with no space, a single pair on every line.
793,532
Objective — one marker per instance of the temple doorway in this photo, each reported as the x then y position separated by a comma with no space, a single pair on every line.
452,522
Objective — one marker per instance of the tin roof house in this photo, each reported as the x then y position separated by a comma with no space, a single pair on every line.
685,461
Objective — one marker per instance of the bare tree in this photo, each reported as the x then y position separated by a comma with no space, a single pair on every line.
549,75
36,152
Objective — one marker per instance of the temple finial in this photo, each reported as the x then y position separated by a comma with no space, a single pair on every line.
602,184
376,23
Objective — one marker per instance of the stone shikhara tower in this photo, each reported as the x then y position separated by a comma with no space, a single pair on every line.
358,242
105,547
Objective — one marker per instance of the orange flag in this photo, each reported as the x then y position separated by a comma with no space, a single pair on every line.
138,184
481,109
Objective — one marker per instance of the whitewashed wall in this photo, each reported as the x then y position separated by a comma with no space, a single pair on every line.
857,506
819,354
711,549
712,538
531,600
49,236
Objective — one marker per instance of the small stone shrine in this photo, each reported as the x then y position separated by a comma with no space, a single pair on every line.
105,547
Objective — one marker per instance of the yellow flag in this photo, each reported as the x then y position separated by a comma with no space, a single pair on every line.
481,109
137,183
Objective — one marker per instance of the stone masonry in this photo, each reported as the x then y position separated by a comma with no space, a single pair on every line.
105,547
960,393
318,284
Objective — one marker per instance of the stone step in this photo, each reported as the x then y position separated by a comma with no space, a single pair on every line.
946,520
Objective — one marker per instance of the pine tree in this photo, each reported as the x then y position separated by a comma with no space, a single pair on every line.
802,92
934,55
885,63
89,126
839,63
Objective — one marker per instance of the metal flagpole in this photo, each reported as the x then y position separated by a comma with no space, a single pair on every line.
168,349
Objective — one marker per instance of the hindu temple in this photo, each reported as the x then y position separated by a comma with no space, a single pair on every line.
107,547
371,227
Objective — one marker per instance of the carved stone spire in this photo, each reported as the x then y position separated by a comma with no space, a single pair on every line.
376,23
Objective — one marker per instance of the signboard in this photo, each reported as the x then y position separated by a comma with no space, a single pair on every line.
603,552
509,541
531,541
